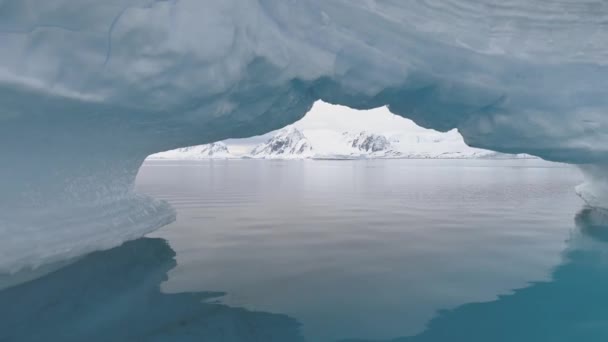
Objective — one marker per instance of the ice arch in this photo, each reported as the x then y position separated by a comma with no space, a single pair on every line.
89,88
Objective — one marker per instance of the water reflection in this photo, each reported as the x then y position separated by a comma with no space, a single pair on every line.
115,296
571,307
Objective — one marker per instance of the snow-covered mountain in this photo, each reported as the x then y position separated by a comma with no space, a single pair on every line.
288,143
217,150
351,134
293,143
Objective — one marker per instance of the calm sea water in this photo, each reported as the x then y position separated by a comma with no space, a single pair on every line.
383,250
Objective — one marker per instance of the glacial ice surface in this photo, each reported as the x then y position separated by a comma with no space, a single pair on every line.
89,88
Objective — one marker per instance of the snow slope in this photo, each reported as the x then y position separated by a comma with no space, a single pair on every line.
325,144
216,150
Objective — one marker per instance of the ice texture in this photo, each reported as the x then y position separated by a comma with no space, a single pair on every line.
89,88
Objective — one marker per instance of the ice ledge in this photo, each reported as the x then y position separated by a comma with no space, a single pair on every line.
594,191
31,239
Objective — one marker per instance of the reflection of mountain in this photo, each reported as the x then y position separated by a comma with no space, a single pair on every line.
572,307
115,296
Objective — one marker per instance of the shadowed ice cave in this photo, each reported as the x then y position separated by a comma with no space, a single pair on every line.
88,301
89,88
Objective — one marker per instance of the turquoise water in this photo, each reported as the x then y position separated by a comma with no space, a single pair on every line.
385,250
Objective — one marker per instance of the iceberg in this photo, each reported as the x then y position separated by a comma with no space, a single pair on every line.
89,89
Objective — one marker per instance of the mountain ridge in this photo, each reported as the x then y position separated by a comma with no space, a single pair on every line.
293,143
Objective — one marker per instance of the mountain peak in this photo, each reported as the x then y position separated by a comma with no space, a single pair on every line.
288,142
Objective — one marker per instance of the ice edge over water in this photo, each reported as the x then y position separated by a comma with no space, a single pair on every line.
88,89
594,191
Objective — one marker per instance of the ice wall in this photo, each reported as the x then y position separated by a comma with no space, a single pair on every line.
89,88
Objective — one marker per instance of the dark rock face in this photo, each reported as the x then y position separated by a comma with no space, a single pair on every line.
216,148
370,142
290,141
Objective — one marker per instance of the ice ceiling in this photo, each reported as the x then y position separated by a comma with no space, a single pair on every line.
89,88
